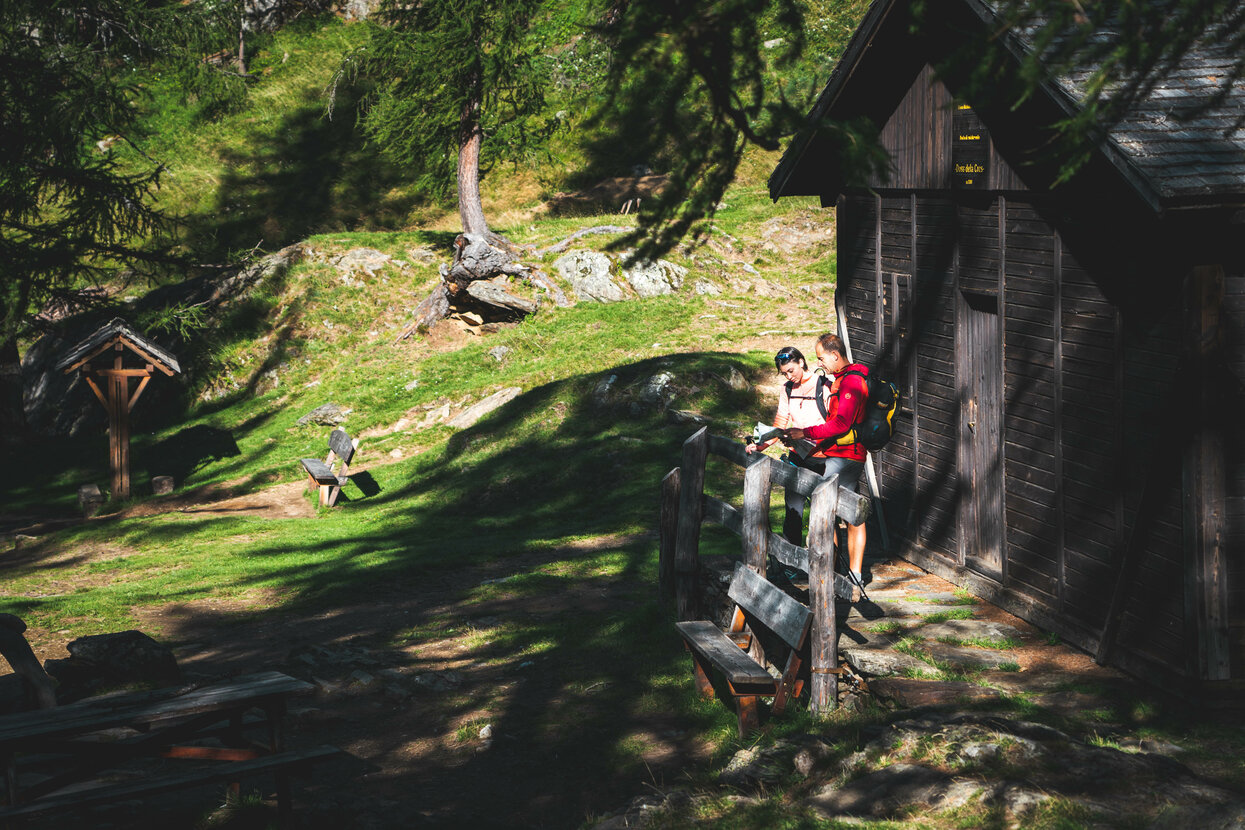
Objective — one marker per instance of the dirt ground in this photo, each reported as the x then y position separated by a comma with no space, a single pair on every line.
445,731
414,721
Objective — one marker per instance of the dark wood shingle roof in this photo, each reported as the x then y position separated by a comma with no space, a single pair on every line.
1171,147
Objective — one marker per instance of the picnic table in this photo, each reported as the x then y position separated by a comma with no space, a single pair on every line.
100,750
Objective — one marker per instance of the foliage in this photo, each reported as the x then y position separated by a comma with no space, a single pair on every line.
68,213
443,69
694,84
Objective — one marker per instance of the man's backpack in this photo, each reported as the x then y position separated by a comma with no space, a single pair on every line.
881,406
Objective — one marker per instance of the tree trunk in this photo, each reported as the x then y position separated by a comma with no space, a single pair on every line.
12,417
470,211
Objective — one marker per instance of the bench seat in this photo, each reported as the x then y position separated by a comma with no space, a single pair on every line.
321,472
738,657
341,452
107,792
716,646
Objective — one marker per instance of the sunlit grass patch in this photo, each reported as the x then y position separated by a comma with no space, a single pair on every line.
943,616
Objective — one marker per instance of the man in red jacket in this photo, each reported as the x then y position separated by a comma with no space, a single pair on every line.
848,396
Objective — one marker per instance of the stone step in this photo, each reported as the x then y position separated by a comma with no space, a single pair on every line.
873,609
967,630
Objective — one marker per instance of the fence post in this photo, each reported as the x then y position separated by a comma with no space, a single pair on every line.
755,532
669,526
824,666
691,511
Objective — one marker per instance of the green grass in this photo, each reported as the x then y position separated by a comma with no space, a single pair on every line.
943,616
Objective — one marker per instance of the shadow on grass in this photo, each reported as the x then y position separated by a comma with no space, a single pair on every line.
573,664
307,174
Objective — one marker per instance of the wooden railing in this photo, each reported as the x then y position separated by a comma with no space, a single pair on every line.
684,507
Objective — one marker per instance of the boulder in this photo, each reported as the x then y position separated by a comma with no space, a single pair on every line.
469,416
500,303
588,273
652,279
90,499
329,414
366,260
99,662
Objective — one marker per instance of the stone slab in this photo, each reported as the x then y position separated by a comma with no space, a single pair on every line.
874,609
910,692
966,656
881,662
969,630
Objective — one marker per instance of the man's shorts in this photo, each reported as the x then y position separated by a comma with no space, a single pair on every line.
848,471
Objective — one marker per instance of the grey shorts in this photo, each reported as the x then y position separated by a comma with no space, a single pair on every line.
848,471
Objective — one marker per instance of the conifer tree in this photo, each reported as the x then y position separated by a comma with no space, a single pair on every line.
70,216
457,89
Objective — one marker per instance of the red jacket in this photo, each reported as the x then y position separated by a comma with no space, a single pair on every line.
849,395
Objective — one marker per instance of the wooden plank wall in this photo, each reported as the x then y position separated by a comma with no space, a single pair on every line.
1152,621
1234,446
934,332
896,467
1032,451
918,138
1081,390
1091,441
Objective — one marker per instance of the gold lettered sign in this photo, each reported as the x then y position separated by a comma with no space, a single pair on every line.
970,149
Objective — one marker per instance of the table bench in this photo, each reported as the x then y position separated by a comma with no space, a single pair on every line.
736,653
63,759
341,449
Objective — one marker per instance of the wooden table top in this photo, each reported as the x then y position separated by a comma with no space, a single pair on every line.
145,708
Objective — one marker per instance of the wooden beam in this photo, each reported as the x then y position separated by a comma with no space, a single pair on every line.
124,373
87,358
824,665
669,529
95,388
1207,607
755,531
154,361
687,540
142,384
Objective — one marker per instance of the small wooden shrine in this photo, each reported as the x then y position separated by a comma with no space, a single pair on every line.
101,357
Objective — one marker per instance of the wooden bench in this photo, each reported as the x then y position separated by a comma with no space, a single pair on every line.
70,757
94,795
341,449
737,655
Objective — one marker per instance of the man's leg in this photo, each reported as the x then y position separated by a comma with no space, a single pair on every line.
849,479
856,548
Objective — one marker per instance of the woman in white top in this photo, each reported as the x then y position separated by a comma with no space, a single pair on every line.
797,407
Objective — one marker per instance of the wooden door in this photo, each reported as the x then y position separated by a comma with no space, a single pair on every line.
980,362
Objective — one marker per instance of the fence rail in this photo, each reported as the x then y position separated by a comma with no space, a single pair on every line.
685,507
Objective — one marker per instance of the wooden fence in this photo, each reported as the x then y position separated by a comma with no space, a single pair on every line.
684,507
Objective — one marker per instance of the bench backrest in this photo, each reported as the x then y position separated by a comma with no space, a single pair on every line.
762,600
341,445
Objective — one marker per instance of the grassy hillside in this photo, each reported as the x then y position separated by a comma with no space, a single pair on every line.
554,494
521,549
